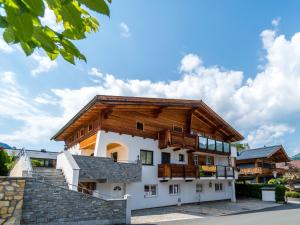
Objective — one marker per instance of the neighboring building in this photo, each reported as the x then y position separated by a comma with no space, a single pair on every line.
296,157
259,165
160,151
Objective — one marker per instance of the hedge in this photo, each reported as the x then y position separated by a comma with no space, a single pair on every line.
254,191
249,190
280,193
292,194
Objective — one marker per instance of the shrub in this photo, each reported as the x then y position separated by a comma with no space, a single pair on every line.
36,163
292,194
277,181
280,193
5,162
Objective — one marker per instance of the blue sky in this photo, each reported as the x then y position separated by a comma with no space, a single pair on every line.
241,57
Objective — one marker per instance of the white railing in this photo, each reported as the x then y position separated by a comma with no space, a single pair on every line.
22,165
69,167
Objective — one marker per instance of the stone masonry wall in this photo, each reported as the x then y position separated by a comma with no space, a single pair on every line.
99,168
11,200
48,205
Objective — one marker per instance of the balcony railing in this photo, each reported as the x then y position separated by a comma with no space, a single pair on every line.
259,170
193,142
169,171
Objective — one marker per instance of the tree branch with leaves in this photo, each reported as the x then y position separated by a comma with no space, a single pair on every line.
21,21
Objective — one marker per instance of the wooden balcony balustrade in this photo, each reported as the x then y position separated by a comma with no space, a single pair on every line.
169,171
259,171
168,138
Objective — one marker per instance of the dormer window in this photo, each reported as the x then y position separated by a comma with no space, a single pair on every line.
177,129
139,126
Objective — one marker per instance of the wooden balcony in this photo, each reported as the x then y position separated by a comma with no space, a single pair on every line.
170,171
178,140
259,171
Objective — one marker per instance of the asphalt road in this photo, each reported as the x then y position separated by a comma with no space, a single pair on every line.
282,215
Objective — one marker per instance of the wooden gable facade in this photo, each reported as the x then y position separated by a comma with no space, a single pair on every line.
147,118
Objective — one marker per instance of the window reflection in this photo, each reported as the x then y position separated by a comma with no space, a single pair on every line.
211,144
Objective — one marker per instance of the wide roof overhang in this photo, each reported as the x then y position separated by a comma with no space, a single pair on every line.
106,104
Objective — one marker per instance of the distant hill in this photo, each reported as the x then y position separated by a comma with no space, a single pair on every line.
3,145
296,157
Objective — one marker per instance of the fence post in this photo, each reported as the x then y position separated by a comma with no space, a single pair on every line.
128,208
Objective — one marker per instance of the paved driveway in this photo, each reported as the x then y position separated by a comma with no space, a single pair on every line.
281,215
195,211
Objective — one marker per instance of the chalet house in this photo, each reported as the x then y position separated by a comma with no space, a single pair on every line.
259,165
159,151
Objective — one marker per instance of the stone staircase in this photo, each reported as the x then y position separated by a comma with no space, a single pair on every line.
50,175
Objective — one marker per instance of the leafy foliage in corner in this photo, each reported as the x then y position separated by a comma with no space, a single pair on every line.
241,146
22,24
5,162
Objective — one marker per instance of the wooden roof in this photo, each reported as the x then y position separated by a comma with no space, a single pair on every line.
106,104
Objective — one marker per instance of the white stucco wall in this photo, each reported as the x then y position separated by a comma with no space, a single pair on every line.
149,174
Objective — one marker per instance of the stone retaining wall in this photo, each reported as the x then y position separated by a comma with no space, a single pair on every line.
11,200
48,204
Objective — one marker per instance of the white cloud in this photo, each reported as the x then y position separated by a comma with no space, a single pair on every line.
190,62
4,47
49,19
45,99
276,22
45,64
125,31
268,134
95,72
37,124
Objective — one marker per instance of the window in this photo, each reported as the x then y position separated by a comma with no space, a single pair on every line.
146,157
211,144
150,190
229,184
177,129
219,146
209,160
218,187
181,157
226,147
199,188
174,189
139,126
203,142
196,159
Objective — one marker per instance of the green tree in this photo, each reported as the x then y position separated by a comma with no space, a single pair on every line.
241,146
5,162
21,21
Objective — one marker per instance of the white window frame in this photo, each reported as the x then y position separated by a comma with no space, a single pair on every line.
196,160
175,189
199,188
149,194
